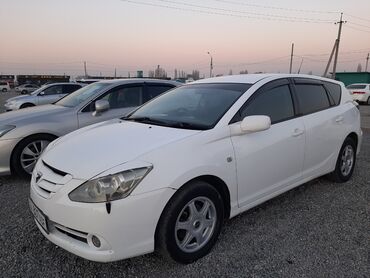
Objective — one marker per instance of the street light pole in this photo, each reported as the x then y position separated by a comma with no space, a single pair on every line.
210,65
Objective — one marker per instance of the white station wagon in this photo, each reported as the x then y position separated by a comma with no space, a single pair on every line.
167,176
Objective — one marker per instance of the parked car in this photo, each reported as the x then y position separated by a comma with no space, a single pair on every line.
4,87
25,133
44,95
360,92
26,88
166,176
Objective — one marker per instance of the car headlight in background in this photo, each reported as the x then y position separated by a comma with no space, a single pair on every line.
109,188
5,129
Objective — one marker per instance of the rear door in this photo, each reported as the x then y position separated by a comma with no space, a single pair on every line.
270,160
122,100
323,120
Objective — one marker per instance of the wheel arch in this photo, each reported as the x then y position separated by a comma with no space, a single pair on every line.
25,138
354,137
27,104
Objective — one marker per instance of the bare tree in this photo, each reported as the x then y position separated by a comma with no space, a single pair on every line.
231,72
244,72
359,67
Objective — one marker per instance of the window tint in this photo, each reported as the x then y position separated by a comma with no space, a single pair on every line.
312,98
53,90
356,86
122,97
334,91
70,88
276,103
154,90
3,84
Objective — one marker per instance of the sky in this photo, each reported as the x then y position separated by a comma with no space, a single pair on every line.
57,36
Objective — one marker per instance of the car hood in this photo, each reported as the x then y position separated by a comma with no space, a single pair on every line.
87,153
27,114
20,98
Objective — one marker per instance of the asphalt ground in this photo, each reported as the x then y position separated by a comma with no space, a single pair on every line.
319,229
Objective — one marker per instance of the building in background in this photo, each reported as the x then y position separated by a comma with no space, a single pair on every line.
41,79
353,77
8,78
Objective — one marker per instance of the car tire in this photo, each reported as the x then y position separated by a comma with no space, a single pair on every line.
368,101
27,152
190,223
4,90
23,92
345,162
25,105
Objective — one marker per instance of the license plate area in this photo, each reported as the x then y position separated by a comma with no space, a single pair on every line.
40,217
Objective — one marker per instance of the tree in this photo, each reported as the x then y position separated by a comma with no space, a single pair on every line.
231,72
244,72
195,74
151,73
359,67
175,76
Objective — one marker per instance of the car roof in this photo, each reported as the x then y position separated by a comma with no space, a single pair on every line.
254,78
358,84
136,80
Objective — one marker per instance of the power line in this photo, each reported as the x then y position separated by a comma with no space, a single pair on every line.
357,29
359,24
244,12
276,8
357,17
223,14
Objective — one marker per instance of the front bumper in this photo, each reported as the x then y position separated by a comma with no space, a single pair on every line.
11,107
6,149
126,232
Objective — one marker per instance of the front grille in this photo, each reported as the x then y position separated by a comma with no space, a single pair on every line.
48,180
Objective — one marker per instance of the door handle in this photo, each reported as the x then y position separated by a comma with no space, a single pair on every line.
297,132
339,119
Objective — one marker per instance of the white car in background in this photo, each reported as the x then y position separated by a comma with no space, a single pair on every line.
167,176
360,92
44,95
26,88
4,87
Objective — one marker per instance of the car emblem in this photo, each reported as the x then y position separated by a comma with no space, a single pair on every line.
38,176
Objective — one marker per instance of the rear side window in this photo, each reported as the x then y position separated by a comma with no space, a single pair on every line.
3,84
312,98
276,103
70,88
351,87
335,91
153,91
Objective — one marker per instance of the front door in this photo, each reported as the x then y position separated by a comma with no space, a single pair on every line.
270,160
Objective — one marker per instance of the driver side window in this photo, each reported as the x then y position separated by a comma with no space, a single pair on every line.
276,103
120,97
53,90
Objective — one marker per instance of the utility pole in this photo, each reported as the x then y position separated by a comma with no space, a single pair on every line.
367,61
210,65
337,49
330,58
291,59
85,69
115,73
300,66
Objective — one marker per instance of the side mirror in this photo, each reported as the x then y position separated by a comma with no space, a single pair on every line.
42,93
257,123
100,107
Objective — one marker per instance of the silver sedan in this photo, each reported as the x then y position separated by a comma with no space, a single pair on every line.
25,133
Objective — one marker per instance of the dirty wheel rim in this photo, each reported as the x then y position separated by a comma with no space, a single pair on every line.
195,224
31,153
347,160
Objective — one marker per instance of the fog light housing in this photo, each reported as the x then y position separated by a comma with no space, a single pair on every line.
96,241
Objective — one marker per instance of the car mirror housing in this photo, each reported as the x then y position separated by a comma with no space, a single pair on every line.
256,123
100,107
42,93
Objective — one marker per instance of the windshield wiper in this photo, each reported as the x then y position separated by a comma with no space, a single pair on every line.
186,125
146,120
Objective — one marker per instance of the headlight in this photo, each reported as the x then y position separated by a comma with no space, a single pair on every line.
5,129
109,188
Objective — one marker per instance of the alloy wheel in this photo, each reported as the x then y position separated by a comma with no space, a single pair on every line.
31,153
347,160
195,224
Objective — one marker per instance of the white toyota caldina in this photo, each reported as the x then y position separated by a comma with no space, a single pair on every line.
166,177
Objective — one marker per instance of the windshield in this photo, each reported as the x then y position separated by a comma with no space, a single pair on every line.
79,96
198,106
